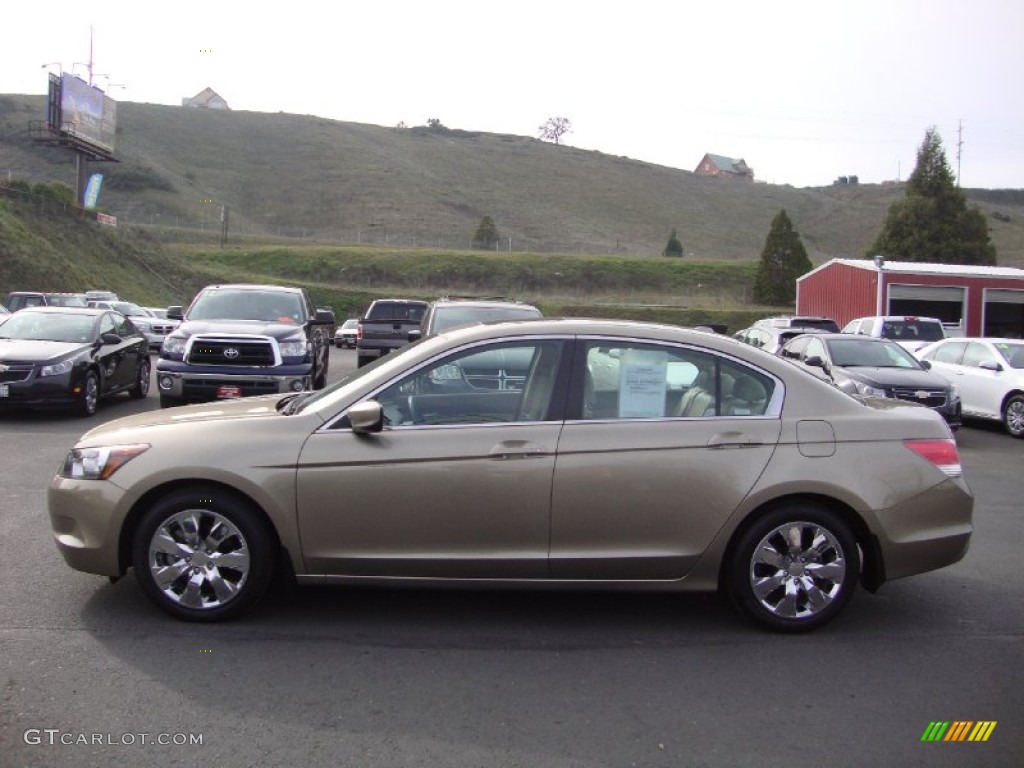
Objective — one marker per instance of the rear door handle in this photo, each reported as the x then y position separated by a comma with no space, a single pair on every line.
731,440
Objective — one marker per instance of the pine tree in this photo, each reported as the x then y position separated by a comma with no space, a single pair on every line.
933,223
486,237
674,247
783,260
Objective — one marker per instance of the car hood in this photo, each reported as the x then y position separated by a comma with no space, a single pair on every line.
244,327
33,351
224,412
894,377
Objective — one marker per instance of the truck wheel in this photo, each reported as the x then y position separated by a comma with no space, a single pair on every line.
361,361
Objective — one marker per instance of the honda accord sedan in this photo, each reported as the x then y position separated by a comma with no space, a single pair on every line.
70,357
593,454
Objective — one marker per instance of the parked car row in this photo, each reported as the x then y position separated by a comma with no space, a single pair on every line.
389,324
957,377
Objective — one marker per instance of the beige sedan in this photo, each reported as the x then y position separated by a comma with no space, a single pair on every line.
552,453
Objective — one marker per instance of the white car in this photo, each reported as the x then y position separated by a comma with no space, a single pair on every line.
910,332
990,374
154,328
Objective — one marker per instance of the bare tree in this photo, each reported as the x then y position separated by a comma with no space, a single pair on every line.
554,129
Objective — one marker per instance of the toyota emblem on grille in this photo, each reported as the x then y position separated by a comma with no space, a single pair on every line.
231,353
4,368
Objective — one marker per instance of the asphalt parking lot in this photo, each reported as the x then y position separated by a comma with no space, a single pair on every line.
93,674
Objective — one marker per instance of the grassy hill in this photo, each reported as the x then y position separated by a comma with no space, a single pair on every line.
329,181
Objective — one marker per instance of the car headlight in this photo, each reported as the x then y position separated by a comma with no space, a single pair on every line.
293,346
173,346
867,389
57,369
954,392
99,463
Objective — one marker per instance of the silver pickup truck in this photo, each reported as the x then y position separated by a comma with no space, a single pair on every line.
385,327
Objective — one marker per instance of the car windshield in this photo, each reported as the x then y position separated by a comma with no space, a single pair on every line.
854,353
66,301
449,317
48,326
267,306
1012,353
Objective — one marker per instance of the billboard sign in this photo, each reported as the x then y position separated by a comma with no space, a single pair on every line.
87,114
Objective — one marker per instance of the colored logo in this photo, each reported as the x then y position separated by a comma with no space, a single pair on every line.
959,730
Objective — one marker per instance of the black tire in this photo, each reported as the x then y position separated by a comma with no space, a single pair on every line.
218,560
166,401
142,376
801,583
320,380
89,400
361,360
1013,416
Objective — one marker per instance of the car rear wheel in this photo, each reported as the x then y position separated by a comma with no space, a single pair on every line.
795,568
89,399
141,388
1013,416
202,554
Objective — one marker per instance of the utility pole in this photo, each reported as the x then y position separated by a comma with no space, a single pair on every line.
959,147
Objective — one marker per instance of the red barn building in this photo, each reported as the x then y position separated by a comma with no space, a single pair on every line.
969,300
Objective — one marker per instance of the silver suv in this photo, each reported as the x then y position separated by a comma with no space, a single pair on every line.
908,331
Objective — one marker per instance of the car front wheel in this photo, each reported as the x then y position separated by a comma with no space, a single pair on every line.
141,388
795,568
1013,416
202,554
89,399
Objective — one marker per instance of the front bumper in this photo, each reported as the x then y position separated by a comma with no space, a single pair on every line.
86,518
203,383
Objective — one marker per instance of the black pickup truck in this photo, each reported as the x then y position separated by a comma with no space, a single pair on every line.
241,340
385,327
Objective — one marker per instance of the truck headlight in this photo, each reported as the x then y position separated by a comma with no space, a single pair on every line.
293,346
173,346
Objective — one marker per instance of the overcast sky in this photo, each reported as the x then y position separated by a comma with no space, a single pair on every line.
803,91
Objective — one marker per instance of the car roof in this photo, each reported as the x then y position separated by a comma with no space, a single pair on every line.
93,311
482,303
253,287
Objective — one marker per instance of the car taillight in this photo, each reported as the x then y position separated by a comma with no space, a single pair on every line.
942,453
359,331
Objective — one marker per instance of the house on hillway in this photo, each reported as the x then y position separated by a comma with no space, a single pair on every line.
717,165
206,99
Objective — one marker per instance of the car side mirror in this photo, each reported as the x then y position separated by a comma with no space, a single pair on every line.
815,361
415,335
926,364
990,365
110,338
366,417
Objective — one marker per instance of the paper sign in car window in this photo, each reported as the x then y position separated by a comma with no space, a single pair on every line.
642,382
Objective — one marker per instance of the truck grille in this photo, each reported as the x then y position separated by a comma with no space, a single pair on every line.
241,353
933,398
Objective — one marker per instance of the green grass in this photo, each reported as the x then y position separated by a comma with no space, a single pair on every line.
339,182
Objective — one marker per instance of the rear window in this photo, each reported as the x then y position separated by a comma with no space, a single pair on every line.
451,316
911,329
397,310
816,322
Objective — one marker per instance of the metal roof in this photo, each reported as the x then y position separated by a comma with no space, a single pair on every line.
924,268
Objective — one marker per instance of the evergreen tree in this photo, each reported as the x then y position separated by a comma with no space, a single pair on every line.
783,260
486,237
933,223
674,247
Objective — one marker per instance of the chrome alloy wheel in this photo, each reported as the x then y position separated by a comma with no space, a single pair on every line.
1013,416
797,570
199,559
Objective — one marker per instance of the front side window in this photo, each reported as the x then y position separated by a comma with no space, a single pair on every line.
637,381
947,353
976,354
507,382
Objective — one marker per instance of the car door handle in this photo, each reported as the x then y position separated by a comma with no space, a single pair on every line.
731,440
517,449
